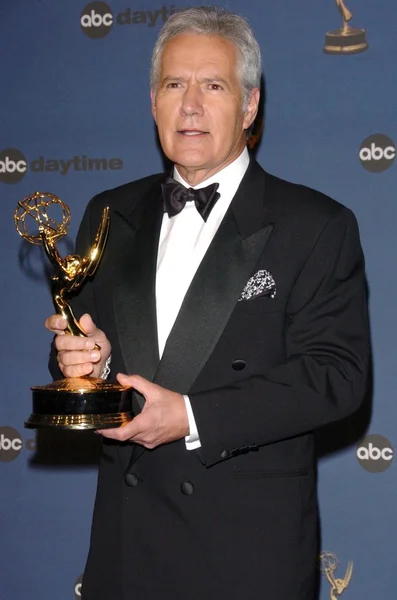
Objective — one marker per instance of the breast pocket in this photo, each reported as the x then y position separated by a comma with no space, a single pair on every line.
260,304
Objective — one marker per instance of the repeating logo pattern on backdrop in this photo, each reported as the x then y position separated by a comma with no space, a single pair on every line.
377,153
97,18
347,39
77,588
11,444
328,565
375,453
14,165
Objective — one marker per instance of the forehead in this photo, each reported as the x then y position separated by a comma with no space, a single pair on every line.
192,52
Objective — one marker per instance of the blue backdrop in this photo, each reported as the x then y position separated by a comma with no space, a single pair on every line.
74,81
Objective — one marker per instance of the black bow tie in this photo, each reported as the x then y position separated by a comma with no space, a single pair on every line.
175,196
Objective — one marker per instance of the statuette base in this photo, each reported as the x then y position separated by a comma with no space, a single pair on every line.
349,41
80,403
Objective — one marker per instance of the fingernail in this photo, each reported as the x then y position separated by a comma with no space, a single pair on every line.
89,344
95,355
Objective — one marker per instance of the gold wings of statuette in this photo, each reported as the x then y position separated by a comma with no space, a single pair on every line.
339,585
73,269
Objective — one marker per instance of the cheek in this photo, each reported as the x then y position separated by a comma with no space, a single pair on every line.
164,112
164,130
228,119
228,129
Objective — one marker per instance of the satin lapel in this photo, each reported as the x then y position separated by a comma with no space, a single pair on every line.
134,294
217,285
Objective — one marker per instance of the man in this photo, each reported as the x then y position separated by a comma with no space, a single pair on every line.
244,328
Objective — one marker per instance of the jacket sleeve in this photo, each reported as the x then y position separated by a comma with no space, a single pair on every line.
323,378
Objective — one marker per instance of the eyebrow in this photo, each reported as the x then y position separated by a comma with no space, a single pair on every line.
214,79
170,78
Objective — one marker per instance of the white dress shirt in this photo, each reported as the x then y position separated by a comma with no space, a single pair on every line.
184,240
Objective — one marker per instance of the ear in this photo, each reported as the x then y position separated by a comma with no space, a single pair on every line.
252,108
153,103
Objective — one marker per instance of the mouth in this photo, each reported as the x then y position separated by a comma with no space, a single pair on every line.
192,132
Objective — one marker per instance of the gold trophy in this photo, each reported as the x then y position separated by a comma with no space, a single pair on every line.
80,402
346,40
328,566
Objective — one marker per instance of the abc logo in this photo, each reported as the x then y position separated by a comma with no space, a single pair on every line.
377,153
77,588
10,444
13,165
375,453
96,19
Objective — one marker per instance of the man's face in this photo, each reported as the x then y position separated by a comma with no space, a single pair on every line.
198,106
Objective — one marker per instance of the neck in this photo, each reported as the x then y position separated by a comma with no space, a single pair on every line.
195,176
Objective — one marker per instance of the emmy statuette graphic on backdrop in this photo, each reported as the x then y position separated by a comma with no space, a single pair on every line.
77,403
328,566
345,40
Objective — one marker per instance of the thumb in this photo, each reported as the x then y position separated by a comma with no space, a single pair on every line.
140,384
96,335
88,324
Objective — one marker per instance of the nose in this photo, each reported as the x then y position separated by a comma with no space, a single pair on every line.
192,103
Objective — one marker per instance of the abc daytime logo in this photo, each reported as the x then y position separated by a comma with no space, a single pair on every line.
14,165
97,18
11,444
377,153
77,588
375,453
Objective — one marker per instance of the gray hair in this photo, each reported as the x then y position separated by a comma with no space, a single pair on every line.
216,21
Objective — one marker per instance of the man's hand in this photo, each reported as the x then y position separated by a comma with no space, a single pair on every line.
76,355
163,418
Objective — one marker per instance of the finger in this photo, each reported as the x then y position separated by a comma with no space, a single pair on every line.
140,384
124,433
71,358
73,342
77,370
56,324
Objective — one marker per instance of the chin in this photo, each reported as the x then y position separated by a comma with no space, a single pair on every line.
189,160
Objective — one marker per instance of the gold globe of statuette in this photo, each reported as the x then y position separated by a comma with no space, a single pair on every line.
328,565
47,211
328,562
79,402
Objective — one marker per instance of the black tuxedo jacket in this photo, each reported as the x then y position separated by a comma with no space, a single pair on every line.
237,518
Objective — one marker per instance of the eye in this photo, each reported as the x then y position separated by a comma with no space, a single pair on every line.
173,85
215,86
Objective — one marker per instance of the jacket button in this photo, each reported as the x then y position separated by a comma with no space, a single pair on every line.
225,454
238,364
187,488
131,479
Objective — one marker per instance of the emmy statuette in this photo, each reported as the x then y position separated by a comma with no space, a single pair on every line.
328,566
345,40
78,403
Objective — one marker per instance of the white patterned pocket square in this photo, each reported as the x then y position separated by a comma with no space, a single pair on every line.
260,284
